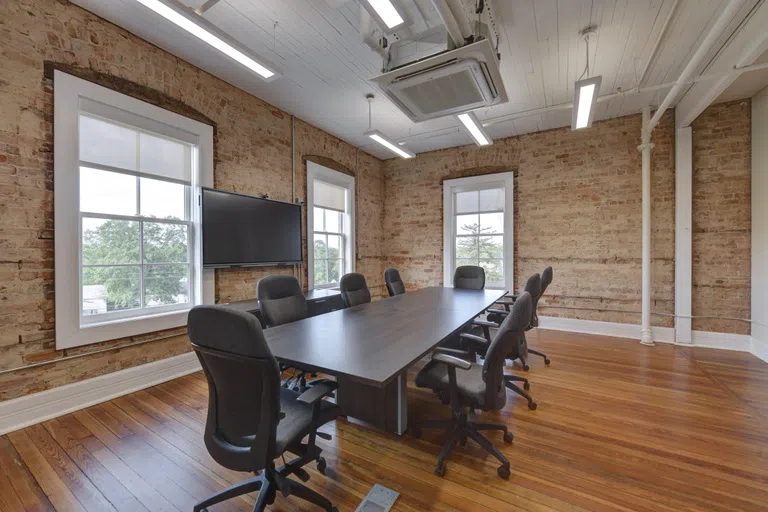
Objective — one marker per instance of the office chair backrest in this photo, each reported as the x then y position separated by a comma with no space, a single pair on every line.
354,290
243,386
533,287
281,300
546,279
469,277
506,341
395,285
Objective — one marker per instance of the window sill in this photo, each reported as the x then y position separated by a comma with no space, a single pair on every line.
69,335
117,321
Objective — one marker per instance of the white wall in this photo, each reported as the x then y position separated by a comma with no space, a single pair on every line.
760,224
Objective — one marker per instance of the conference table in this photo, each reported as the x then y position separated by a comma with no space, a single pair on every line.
369,348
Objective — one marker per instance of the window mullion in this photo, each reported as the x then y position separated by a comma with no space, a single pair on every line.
141,264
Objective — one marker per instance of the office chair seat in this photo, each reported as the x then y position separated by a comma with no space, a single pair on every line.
470,382
297,422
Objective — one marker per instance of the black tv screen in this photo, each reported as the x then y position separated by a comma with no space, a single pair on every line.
240,230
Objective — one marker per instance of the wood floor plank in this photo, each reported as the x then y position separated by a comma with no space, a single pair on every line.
86,493
114,491
619,427
55,489
142,459
27,489
9,500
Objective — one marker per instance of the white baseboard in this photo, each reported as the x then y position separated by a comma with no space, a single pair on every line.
720,340
31,409
632,331
760,349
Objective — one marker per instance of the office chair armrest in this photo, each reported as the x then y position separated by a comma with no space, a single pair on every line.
507,299
452,352
451,361
484,323
477,341
502,312
318,392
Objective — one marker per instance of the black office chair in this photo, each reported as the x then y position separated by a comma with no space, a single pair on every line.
474,386
395,285
469,277
535,285
252,419
354,290
478,344
282,301
546,279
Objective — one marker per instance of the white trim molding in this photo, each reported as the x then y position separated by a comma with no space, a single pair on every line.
504,180
618,330
759,347
346,182
72,96
683,234
38,407
719,340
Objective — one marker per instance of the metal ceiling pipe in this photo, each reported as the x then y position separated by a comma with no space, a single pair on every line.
635,90
717,30
460,15
449,20
206,6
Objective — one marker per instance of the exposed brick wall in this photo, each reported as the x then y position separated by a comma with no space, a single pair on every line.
577,208
253,155
722,217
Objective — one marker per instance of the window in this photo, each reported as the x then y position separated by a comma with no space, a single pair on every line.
127,177
330,213
478,227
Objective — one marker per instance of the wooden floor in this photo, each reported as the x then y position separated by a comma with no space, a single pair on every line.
619,426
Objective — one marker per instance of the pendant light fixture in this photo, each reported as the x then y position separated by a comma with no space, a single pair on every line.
585,92
382,139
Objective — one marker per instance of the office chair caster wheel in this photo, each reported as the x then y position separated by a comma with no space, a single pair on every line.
527,385
321,464
504,472
508,436
526,367
547,361
532,406
440,469
416,432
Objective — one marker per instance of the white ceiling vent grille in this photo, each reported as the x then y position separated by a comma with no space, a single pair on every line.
452,82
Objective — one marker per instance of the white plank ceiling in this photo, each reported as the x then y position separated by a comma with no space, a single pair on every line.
326,67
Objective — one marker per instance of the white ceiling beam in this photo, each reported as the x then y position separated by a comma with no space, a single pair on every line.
743,49
721,24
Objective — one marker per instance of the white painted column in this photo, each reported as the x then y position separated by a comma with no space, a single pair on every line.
683,240
646,337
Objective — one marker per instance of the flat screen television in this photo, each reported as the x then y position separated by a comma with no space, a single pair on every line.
240,230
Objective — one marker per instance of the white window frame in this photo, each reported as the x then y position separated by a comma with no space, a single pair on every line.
70,93
488,181
322,173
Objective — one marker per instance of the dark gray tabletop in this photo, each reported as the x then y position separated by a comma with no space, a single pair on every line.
375,342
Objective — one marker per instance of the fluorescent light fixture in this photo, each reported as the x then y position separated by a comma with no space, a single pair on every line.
384,141
584,101
386,14
202,29
475,129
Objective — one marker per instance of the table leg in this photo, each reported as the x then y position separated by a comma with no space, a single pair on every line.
385,408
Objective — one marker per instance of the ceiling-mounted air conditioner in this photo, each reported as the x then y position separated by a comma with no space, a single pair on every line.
447,83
